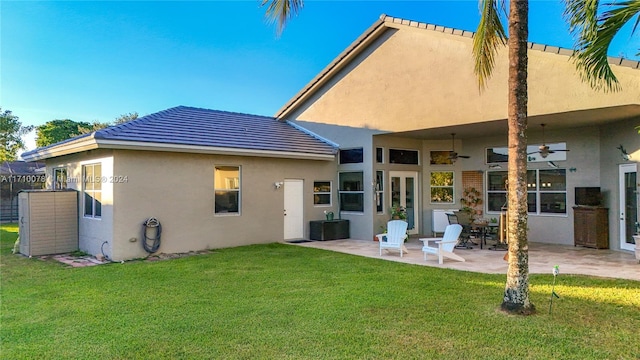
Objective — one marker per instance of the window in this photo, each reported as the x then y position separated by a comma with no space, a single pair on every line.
409,157
322,192
226,184
59,178
351,191
497,155
442,187
351,156
546,191
440,158
496,190
501,154
379,192
92,185
552,191
379,155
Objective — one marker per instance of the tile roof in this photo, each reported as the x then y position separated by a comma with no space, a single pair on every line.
21,168
206,129
634,64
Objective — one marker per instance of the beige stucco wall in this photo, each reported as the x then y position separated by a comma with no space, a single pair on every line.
415,78
177,189
92,232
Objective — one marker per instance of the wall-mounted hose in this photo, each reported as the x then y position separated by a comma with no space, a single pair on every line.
102,250
151,244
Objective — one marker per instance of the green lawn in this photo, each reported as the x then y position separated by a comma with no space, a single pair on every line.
286,302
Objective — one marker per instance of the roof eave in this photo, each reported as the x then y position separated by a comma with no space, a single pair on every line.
166,147
83,144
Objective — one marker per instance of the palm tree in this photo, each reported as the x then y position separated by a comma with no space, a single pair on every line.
489,36
595,34
594,30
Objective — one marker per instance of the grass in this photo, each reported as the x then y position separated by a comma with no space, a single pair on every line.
281,301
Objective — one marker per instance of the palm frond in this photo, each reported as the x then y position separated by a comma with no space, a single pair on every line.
281,11
594,35
488,37
582,17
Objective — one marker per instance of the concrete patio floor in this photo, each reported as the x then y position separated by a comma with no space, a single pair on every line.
542,258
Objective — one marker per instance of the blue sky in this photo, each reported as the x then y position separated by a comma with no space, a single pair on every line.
87,60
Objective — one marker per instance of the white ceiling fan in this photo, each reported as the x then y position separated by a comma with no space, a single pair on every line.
453,155
544,149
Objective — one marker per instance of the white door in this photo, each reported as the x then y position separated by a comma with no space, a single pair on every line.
404,192
293,209
628,205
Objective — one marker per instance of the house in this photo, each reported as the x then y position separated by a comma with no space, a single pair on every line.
394,98
397,104
16,176
212,179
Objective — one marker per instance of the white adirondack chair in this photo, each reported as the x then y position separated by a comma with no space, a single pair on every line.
445,245
396,233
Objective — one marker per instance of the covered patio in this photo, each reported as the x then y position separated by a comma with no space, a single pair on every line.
542,258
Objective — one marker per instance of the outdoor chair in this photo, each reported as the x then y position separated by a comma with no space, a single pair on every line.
396,233
465,221
445,245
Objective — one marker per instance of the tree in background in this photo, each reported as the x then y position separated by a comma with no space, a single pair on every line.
58,130
55,131
125,118
11,132
97,125
94,126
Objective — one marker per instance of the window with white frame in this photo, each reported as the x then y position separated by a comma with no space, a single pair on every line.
92,187
322,193
351,191
227,188
59,178
546,191
379,189
442,187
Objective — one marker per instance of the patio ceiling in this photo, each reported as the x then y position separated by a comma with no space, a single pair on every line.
571,119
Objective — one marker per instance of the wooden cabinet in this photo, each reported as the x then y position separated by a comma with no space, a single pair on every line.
591,227
329,229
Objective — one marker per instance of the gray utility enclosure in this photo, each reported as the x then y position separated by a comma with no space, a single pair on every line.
48,222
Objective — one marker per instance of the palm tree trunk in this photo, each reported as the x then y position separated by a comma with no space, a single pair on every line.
516,294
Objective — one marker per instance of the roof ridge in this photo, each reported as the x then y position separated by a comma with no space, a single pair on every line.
223,111
634,64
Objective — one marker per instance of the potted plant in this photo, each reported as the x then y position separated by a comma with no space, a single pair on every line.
398,213
470,201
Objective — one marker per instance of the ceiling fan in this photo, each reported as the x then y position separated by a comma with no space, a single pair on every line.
453,155
544,149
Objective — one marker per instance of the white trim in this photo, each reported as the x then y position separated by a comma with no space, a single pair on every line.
330,193
84,144
622,170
